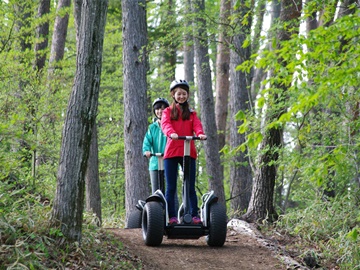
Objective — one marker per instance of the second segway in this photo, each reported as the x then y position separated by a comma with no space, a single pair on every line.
135,217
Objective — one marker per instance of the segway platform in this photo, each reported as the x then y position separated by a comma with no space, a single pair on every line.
185,231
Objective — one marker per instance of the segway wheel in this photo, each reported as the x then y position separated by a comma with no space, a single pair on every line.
153,223
134,220
217,225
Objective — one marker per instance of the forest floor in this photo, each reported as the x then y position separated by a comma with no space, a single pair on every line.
245,248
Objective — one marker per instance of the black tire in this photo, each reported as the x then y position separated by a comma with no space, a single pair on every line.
153,223
217,225
134,220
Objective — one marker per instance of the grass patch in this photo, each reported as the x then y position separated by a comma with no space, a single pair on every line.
323,235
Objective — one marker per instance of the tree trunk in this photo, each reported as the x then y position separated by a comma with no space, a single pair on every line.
92,181
42,37
259,73
79,121
169,53
135,117
42,33
212,156
240,170
59,35
23,11
222,74
261,206
189,74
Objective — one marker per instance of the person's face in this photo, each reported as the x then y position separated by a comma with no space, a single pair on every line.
180,95
159,111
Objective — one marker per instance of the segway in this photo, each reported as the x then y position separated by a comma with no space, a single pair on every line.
134,220
155,219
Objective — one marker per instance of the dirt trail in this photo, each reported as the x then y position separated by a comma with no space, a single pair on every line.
243,249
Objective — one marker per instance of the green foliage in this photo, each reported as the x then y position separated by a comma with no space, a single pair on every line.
318,160
332,225
28,242
110,120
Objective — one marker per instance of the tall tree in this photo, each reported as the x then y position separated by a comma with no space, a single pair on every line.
23,15
240,170
259,73
170,46
135,117
80,119
188,47
203,72
222,73
59,34
261,204
41,44
42,33
92,181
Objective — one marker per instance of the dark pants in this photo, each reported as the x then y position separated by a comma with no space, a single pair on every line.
171,173
155,185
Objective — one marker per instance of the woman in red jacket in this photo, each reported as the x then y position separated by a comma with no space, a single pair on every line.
180,120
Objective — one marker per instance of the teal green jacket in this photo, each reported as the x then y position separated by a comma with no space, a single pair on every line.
155,142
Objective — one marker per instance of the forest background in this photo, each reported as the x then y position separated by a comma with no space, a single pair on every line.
275,84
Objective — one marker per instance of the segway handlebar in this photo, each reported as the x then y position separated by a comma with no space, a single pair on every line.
189,138
155,155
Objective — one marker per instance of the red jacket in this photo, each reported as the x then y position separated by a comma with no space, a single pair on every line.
191,127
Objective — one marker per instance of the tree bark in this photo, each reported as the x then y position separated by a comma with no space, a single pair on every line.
212,156
59,35
134,87
80,120
169,53
222,74
42,34
240,170
92,181
189,73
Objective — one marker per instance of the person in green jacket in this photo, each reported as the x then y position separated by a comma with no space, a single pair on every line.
155,142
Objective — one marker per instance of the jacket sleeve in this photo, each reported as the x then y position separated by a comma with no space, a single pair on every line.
148,141
197,125
166,125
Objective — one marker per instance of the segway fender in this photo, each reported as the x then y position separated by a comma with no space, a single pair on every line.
140,205
208,198
158,196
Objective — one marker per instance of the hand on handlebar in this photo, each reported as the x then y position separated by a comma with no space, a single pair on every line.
147,154
202,137
174,136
